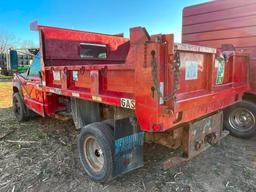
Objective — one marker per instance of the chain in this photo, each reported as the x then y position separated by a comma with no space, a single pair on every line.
176,74
145,55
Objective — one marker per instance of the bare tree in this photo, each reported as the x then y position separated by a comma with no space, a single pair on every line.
27,44
6,41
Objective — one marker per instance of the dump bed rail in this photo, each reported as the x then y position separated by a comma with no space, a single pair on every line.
166,84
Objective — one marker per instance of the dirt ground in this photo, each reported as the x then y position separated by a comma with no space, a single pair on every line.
41,155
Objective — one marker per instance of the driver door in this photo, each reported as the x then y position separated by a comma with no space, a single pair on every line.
32,89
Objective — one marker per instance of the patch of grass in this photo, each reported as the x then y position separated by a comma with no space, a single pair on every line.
6,76
5,94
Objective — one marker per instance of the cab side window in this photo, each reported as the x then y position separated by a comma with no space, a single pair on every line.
35,67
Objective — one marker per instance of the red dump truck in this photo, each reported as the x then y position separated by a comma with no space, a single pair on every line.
228,25
122,91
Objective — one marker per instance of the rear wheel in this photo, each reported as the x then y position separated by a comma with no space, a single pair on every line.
95,145
19,108
240,119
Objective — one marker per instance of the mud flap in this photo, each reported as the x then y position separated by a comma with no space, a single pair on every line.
128,146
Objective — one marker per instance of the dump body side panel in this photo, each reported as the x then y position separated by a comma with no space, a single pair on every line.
220,23
166,84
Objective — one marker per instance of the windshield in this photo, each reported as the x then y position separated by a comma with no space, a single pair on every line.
35,67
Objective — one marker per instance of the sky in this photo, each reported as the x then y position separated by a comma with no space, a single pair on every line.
103,16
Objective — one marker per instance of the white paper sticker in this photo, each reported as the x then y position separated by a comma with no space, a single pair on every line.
75,94
55,90
161,89
56,75
220,64
75,75
191,70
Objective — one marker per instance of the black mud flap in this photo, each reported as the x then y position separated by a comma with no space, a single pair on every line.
128,146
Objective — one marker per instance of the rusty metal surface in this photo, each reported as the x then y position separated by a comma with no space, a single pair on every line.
201,133
178,160
171,139
197,137
193,48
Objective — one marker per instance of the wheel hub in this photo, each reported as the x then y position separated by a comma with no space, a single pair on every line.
93,154
98,152
242,119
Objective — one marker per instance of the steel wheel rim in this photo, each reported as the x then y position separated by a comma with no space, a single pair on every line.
93,154
242,119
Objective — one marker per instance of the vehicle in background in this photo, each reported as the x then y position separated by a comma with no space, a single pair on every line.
16,60
119,91
228,25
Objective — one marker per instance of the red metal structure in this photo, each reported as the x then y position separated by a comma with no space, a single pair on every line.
229,24
130,86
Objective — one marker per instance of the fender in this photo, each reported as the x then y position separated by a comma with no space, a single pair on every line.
17,84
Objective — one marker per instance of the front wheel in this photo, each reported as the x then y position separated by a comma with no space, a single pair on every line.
95,145
19,108
240,119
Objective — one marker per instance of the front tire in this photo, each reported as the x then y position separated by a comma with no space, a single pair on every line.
19,108
95,145
240,119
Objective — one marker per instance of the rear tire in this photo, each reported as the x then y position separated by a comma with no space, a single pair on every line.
240,119
19,108
95,146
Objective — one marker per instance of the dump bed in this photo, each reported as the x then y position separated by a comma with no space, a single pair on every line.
220,23
164,83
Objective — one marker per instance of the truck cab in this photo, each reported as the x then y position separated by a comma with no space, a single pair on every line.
28,87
